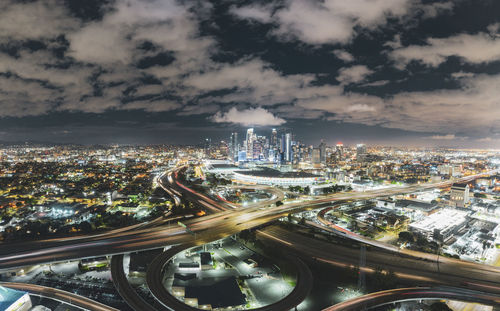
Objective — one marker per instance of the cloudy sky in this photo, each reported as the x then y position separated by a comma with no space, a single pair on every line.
410,72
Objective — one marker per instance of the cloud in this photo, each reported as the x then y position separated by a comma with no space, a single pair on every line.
377,83
360,108
252,12
354,74
344,55
152,105
461,74
434,9
115,37
486,139
21,20
96,69
248,117
476,49
330,21
251,81
442,137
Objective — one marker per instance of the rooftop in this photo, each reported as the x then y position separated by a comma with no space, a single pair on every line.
225,293
9,296
415,204
269,172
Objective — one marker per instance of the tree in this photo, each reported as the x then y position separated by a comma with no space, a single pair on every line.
279,203
245,235
406,237
354,225
86,227
440,306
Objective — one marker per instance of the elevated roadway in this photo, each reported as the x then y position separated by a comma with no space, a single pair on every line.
126,291
228,221
155,278
414,293
451,272
59,295
218,225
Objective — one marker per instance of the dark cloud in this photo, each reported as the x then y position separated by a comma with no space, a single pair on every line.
360,66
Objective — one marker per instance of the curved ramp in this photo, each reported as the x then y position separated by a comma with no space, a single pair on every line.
154,280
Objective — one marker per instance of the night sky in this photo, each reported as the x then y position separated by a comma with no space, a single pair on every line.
398,72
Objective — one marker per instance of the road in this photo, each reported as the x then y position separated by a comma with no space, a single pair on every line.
414,293
221,224
227,221
277,195
60,295
154,279
450,272
126,291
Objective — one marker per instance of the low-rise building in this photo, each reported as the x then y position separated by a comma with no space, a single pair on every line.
267,176
459,195
440,225
14,300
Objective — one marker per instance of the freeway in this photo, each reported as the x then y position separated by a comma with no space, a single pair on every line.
228,221
60,295
221,224
154,279
452,272
126,291
414,293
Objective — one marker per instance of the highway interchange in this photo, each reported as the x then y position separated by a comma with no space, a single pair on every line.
229,219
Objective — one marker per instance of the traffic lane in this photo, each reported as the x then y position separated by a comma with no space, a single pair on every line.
236,218
457,274
394,295
126,291
345,196
135,242
60,295
154,279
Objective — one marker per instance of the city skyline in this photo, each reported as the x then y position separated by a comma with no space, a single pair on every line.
398,72
267,155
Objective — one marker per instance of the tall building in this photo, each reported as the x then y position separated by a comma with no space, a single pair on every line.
339,150
322,152
234,146
274,139
288,147
316,157
207,145
360,152
259,147
249,143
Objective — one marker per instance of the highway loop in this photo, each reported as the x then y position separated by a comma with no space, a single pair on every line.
154,279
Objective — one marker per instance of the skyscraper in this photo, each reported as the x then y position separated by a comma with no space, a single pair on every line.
322,152
316,157
288,147
274,139
360,152
234,147
339,150
207,145
249,143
